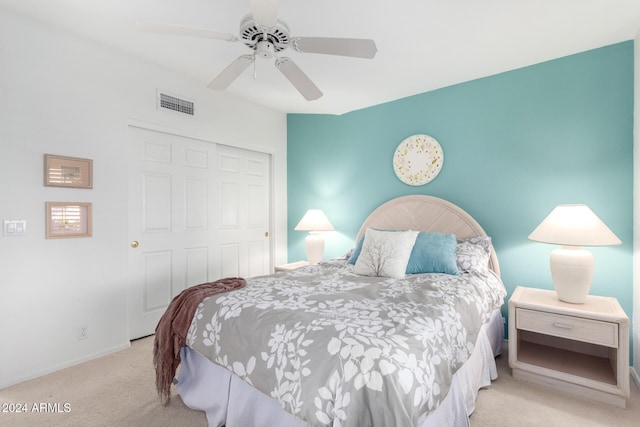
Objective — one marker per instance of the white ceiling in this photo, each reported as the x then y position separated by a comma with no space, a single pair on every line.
422,44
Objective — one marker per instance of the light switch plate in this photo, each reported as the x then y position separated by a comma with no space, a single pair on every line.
14,227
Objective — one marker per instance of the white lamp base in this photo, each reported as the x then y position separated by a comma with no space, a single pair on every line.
572,271
314,243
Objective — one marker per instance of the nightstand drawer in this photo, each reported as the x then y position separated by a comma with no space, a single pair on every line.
575,328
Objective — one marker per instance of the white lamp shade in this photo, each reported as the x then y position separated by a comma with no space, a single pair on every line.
314,220
574,225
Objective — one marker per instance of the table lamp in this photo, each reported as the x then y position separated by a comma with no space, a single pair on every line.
315,222
573,226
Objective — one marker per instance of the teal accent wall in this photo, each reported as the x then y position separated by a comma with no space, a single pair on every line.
515,145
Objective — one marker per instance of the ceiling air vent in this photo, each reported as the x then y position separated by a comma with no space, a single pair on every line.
174,103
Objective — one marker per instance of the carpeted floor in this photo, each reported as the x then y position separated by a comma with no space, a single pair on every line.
510,402
118,390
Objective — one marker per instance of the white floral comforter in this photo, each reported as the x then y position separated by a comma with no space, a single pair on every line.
335,348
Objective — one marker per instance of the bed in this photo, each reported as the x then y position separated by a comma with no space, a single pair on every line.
343,344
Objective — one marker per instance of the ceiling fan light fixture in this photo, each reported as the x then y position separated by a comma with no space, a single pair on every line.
265,49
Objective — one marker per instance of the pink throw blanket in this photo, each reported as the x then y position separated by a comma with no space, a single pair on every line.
172,329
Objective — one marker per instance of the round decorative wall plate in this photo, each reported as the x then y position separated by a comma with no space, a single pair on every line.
418,159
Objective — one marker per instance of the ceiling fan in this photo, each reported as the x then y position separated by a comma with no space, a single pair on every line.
267,36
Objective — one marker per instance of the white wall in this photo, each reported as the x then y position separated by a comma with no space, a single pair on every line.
60,94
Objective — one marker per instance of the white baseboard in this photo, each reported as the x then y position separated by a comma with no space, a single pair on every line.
634,376
19,379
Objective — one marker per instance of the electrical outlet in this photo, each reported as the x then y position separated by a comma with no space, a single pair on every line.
83,332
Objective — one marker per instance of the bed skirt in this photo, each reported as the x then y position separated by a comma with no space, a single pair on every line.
228,400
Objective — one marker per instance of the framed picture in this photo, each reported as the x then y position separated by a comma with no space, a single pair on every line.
68,219
62,171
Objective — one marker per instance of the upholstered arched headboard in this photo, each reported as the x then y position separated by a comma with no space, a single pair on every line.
426,213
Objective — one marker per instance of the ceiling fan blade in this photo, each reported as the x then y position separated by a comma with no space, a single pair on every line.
358,48
265,12
179,30
298,78
229,74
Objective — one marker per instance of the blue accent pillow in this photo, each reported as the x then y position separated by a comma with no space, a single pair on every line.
432,253
356,252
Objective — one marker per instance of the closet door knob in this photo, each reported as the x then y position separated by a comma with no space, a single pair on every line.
135,244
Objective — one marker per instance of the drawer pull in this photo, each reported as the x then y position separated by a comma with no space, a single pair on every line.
562,326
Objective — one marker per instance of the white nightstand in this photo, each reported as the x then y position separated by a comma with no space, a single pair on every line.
291,266
577,348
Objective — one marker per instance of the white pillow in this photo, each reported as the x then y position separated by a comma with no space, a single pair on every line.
385,253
